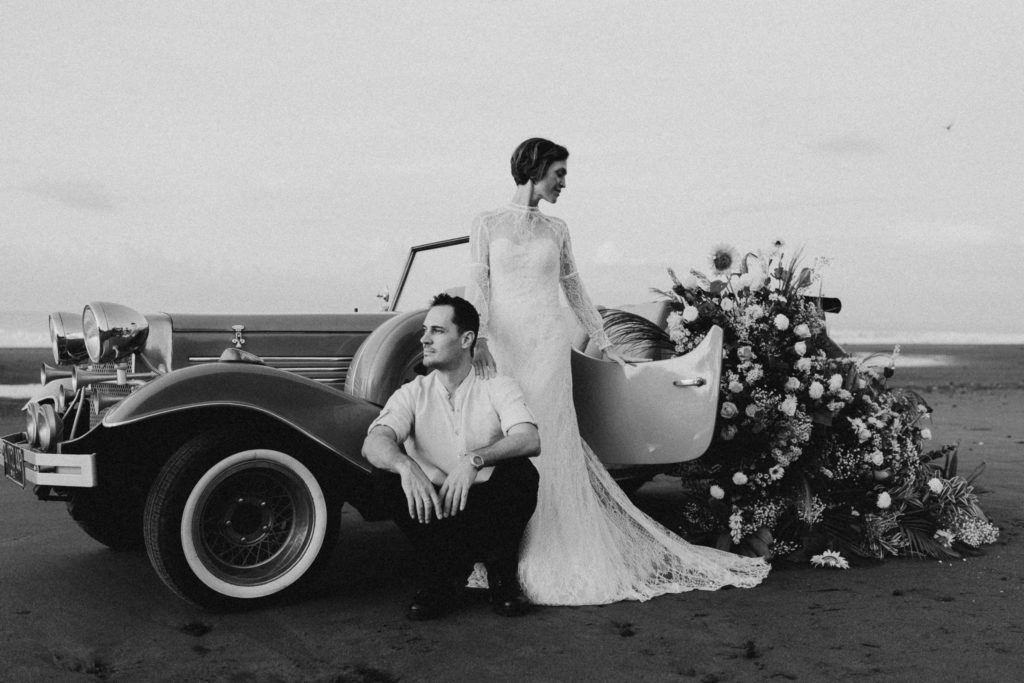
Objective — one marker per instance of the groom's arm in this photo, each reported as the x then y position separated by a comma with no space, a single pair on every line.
381,449
521,441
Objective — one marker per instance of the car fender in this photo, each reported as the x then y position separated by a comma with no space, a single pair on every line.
330,417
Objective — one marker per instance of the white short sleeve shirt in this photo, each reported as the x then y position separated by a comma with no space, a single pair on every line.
438,428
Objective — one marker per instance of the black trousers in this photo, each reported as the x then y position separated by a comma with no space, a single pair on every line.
489,530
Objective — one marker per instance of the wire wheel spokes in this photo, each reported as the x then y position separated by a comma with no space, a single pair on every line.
255,520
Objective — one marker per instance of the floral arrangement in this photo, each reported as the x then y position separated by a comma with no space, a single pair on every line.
813,453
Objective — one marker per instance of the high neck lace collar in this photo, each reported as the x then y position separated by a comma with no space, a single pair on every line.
523,207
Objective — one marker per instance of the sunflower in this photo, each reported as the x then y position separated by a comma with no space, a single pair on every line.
830,558
723,258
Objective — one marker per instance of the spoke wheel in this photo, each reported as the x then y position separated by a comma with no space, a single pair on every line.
229,525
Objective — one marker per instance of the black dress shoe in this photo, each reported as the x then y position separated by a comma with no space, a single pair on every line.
507,597
433,602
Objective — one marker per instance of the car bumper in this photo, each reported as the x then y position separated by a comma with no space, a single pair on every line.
22,465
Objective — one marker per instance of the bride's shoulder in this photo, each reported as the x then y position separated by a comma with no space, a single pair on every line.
488,217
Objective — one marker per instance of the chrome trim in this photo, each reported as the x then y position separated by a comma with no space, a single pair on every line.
695,382
76,470
280,359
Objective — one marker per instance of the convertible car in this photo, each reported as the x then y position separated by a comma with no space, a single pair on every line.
226,445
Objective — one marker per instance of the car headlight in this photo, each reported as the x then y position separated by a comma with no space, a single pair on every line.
112,331
50,428
31,423
66,339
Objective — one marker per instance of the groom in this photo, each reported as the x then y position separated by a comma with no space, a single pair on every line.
464,488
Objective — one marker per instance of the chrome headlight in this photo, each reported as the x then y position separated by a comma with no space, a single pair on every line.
50,428
31,423
112,331
66,339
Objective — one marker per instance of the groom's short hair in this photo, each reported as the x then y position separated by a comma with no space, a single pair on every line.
532,158
464,314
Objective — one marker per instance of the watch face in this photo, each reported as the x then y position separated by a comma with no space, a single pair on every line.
477,461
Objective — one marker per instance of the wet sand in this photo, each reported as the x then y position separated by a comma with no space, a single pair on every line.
71,610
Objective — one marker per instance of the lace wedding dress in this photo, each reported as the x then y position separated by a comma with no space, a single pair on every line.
586,544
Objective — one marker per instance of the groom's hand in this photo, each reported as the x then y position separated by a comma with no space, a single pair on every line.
455,490
423,500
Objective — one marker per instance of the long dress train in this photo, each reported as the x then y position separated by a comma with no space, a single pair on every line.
586,544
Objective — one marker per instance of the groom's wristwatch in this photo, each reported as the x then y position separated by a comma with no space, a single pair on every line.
477,461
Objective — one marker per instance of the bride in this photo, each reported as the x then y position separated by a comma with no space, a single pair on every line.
586,544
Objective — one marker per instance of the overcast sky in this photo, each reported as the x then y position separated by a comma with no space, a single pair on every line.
259,156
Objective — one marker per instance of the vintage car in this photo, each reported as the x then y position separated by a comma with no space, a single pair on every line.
226,445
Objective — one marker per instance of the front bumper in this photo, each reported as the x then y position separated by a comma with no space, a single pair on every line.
22,465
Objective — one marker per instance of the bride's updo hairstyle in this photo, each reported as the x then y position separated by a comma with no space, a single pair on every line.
532,158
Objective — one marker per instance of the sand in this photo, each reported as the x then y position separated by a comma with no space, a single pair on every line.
72,610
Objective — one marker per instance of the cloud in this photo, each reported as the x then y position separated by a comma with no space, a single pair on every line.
849,145
76,194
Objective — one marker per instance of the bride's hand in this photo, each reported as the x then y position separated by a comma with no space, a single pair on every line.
483,361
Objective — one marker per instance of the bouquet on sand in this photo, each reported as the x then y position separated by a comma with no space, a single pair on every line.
814,455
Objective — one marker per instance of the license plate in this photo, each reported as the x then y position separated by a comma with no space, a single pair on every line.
14,464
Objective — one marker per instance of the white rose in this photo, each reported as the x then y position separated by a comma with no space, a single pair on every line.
729,410
802,331
739,479
717,492
804,365
792,384
690,313
884,500
735,386
863,434
875,457
728,432
800,348
788,406
926,434
781,322
752,410
727,304
935,484
835,382
816,390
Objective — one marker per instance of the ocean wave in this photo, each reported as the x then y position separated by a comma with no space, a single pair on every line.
17,391
862,337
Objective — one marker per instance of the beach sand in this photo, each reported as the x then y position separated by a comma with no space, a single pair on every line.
72,610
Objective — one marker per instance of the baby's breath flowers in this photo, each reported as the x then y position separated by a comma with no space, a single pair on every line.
809,443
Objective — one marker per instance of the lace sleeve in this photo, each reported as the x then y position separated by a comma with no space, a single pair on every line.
478,290
577,297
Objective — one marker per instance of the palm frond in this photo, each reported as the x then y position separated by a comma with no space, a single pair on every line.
920,533
635,335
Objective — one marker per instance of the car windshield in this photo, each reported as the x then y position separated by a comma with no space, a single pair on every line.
432,268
